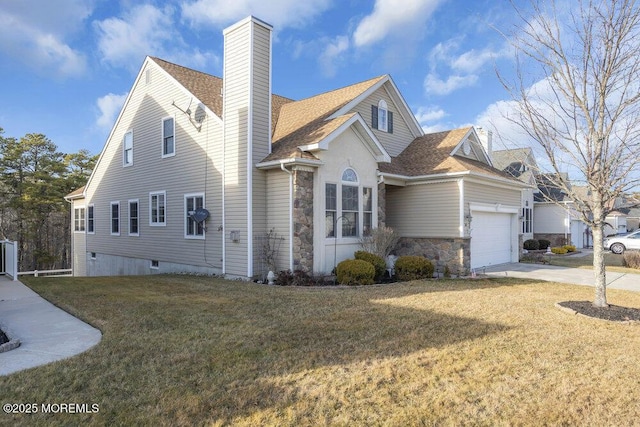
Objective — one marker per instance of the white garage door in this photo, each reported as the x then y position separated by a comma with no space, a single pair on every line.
490,238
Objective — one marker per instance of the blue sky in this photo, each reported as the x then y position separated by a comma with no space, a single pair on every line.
67,65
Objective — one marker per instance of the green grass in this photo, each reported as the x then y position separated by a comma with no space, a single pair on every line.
181,350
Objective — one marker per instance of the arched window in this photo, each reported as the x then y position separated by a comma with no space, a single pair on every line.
383,116
349,204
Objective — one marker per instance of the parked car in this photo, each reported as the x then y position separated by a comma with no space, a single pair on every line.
619,244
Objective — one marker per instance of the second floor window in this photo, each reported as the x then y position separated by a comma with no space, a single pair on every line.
168,137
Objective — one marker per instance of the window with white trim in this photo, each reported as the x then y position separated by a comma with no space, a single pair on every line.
168,137
527,219
331,207
349,204
115,218
193,229
79,220
127,149
157,208
90,219
381,117
134,218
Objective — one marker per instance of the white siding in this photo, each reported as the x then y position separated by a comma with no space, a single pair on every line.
196,167
401,137
346,151
426,210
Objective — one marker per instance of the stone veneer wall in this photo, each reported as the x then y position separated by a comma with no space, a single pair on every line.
556,239
382,204
303,219
454,253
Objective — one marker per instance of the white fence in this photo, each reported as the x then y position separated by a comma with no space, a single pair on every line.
36,273
9,255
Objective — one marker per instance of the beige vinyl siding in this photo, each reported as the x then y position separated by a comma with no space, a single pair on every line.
278,209
425,210
401,137
78,243
261,130
236,111
195,167
549,218
475,192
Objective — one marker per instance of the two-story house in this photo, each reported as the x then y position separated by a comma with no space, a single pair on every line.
198,169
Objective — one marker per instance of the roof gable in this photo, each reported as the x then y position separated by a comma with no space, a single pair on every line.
435,154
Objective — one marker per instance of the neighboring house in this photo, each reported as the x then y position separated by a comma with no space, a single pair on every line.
198,170
521,164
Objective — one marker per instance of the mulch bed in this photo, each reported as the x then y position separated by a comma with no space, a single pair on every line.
613,313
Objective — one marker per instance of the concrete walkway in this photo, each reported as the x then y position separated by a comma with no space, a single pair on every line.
46,332
552,273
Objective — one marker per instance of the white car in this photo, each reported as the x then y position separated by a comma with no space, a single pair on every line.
619,244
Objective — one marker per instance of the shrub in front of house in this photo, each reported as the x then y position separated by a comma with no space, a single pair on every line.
558,250
378,263
631,259
531,245
544,243
295,278
412,267
570,248
355,272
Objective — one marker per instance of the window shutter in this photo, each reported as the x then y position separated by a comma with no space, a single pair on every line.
374,117
390,122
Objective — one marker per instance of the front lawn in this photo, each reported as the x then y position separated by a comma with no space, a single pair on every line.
181,350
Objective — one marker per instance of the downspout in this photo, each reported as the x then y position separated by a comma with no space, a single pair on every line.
290,214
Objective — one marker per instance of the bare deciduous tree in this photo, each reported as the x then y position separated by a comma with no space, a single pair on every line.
583,111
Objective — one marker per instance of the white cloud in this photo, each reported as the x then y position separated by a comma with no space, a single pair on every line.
393,17
35,33
279,13
437,86
109,107
146,30
332,54
430,114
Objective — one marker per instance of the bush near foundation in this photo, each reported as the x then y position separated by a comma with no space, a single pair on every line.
544,243
631,259
531,245
373,259
570,248
559,250
355,272
412,267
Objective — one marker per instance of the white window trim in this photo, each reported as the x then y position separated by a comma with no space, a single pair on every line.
137,201
157,224
92,206
162,139
75,208
339,211
382,106
124,155
111,218
188,236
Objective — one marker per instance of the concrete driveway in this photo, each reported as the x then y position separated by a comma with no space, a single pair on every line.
552,273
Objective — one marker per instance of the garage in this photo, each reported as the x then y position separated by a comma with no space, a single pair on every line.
491,238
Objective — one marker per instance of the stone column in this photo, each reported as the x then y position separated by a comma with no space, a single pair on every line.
303,219
382,204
